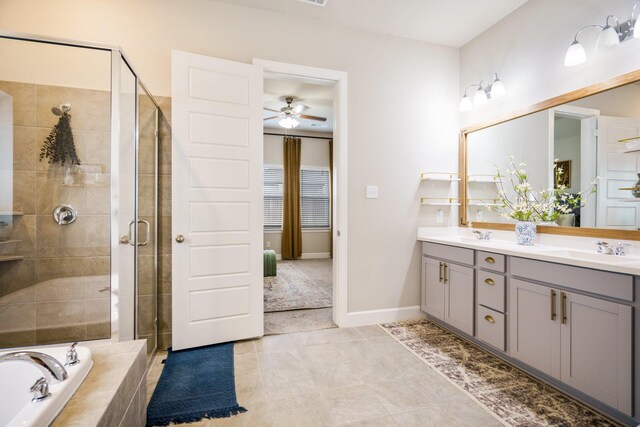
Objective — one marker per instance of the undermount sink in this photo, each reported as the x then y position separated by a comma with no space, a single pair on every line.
593,256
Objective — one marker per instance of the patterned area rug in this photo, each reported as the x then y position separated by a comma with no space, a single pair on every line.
512,396
299,284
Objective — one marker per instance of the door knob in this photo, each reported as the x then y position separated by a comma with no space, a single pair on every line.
179,238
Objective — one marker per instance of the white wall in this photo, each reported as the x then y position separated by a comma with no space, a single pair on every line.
314,153
566,146
403,98
527,50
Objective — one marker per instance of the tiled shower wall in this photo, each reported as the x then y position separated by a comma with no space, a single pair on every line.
42,297
165,237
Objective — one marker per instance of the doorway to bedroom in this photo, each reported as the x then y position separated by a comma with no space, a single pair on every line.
298,215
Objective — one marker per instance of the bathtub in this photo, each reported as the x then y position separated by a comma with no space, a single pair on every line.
16,377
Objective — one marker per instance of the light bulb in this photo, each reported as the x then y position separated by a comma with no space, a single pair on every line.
608,38
480,98
465,104
636,29
575,55
497,88
288,122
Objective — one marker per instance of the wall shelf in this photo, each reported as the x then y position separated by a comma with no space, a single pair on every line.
484,178
4,258
440,201
440,176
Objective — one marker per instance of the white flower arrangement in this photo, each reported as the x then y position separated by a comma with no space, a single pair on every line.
544,205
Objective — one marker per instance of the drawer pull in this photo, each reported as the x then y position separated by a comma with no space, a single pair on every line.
490,260
489,319
489,282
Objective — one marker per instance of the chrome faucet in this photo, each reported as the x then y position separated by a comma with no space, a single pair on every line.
619,249
604,248
40,390
52,370
72,355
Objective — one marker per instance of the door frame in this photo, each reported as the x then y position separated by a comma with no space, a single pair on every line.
338,80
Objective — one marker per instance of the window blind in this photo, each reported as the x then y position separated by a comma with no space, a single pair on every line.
314,193
272,188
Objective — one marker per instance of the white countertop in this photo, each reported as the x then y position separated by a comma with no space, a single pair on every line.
567,250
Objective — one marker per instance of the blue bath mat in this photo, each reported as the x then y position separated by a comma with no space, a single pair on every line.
195,384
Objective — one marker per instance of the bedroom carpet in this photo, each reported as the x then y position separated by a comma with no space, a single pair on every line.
300,284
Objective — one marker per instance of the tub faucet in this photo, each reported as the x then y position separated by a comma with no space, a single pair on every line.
604,248
52,370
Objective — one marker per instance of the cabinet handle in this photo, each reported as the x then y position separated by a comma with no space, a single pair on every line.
489,282
489,319
441,265
563,307
446,267
553,304
490,260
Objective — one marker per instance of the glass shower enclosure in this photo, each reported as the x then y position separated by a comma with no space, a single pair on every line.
78,194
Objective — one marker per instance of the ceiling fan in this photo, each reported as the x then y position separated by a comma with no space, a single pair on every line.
289,113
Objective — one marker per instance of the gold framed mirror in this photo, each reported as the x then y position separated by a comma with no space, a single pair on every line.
585,129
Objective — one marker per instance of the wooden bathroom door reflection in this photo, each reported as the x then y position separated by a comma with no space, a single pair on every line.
217,200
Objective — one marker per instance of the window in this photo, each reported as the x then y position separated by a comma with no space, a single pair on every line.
314,193
273,185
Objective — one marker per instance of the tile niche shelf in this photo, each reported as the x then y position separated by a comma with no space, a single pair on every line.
11,213
5,258
7,250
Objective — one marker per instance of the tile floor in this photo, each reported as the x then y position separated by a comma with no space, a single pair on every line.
333,377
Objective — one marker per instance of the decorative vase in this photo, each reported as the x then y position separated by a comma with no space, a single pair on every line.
525,233
636,191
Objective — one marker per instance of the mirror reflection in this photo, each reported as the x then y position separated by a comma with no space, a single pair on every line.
574,165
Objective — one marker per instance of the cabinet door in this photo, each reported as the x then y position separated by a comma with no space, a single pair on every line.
596,340
459,284
433,288
534,326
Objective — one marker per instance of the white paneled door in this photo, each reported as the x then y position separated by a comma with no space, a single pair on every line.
617,208
217,200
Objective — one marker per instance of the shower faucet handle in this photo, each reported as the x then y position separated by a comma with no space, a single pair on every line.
40,390
72,355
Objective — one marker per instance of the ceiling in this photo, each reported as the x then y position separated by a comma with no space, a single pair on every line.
318,98
447,22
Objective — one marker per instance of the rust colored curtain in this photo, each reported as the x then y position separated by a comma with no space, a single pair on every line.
291,216
331,198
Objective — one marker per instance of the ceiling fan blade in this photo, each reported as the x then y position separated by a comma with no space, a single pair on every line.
271,109
299,108
269,118
319,119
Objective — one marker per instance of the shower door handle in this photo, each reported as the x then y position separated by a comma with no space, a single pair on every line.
131,240
148,236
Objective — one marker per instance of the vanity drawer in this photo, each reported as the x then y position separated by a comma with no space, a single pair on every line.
490,288
449,253
491,327
491,261
604,283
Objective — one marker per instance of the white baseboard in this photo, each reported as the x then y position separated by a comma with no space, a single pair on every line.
319,255
373,317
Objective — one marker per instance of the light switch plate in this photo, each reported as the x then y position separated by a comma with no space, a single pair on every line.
372,191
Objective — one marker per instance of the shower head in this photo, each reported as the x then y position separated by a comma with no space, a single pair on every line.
61,109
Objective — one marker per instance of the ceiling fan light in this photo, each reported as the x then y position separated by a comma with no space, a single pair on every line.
497,88
480,98
465,104
288,123
575,55
608,38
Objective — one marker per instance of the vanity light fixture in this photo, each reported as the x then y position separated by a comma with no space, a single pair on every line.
609,37
288,122
484,92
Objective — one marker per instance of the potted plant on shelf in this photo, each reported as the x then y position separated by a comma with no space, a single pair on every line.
527,206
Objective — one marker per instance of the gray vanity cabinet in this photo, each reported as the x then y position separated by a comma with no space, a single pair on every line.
447,286
596,341
534,332
583,341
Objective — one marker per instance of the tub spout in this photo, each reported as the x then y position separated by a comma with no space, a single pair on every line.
52,370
